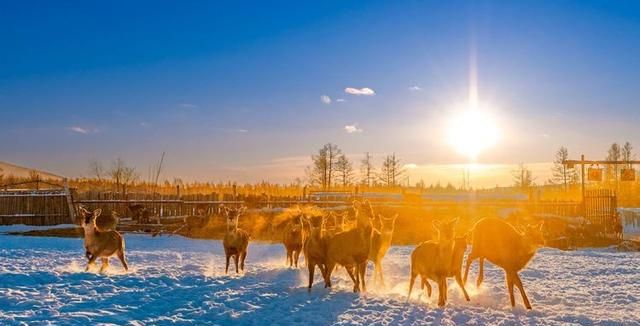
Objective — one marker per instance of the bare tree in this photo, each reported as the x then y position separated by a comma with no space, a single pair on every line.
522,177
613,154
561,173
122,174
96,169
627,154
344,169
391,170
322,169
367,171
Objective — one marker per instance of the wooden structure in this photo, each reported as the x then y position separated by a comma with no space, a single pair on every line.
36,202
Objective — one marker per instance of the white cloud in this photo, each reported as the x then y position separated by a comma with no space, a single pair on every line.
340,100
188,106
352,128
325,99
360,91
79,130
241,130
144,124
415,88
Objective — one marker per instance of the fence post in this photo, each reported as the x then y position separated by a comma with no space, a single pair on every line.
72,210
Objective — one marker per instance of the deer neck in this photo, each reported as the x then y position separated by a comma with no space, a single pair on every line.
232,227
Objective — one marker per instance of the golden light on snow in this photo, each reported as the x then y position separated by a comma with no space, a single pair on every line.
472,130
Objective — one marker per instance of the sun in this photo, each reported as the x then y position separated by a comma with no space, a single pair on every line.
471,131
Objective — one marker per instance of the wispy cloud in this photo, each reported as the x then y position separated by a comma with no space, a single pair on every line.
144,124
415,88
325,99
79,130
360,91
410,166
352,129
83,130
188,106
340,100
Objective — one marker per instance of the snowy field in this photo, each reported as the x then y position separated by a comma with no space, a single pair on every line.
177,281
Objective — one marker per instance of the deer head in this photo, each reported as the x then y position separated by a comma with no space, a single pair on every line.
233,216
364,213
316,224
445,230
534,233
89,218
387,223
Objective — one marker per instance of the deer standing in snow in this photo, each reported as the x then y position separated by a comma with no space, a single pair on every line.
315,249
459,247
101,244
235,240
293,240
380,243
500,243
433,260
351,248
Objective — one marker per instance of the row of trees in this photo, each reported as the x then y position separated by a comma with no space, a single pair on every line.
330,167
565,175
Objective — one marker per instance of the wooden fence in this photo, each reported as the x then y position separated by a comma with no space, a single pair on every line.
36,207
58,205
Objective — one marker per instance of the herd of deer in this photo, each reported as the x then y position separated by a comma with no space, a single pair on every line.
359,235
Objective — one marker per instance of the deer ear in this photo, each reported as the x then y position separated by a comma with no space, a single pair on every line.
394,217
97,212
242,210
454,221
225,210
436,224
357,204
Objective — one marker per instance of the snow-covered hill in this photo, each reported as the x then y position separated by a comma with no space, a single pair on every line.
180,281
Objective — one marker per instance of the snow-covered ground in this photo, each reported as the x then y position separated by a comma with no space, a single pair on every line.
174,280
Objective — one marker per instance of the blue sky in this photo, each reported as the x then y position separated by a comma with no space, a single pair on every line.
232,90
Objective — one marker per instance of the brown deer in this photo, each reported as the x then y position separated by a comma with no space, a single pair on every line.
500,243
101,244
380,243
236,240
433,260
315,249
293,240
351,248
459,247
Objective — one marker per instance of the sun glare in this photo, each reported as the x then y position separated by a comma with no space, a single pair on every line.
471,131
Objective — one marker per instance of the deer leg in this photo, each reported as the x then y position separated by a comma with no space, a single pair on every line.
381,274
242,258
470,260
518,283
427,285
123,261
236,257
411,281
350,271
90,262
510,288
442,289
461,285
105,264
312,268
296,258
226,269
480,272
288,263
327,270
362,271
